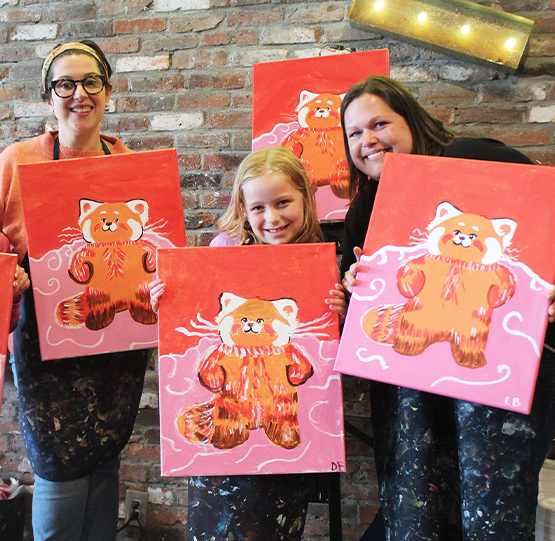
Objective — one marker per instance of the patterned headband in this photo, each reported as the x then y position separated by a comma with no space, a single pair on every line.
74,46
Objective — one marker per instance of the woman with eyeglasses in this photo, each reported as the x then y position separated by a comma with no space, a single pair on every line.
76,414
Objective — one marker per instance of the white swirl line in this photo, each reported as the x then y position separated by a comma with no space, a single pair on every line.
248,452
327,385
180,393
152,343
359,353
314,422
519,333
184,467
262,464
72,341
52,281
500,369
172,444
373,287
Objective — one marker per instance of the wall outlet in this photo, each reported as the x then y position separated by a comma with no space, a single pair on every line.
136,500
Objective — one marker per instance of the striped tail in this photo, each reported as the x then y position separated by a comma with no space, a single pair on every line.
72,312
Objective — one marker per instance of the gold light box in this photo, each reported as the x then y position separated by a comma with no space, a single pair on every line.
464,28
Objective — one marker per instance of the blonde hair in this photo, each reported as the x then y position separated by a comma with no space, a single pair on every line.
274,159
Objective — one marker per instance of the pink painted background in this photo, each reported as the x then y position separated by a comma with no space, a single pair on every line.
8,263
409,191
275,99
303,272
54,189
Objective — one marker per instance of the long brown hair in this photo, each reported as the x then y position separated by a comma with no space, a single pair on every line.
277,160
429,135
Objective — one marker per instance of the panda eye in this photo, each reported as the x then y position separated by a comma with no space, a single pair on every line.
244,319
260,321
103,220
472,236
457,232
116,220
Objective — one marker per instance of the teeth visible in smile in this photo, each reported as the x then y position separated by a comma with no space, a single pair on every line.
276,230
375,155
83,110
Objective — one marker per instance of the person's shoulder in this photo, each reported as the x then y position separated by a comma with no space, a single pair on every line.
27,150
223,239
117,147
483,148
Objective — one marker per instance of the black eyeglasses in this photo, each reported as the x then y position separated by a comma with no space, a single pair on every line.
92,84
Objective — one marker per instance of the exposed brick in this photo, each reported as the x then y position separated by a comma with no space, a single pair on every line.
173,5
34,32
543,156
133,472
155,82
143,453
540,113
119,45
189,160
149,142
195,181
215,162
168,517
242,99
31,109
248,57
455,72
512,6
256,17
311,14
413,74
4,112
199,58
228,80
11,92
164,43
200,219
522,136
238,37
446,114
241,141
443,93
521,91
189,200
194,100
490,114
136,26
67,11
285,35
540,46
182,121
197,22
145,104
87,29
26,15
216,200
108,8
203,140
231,119
143,63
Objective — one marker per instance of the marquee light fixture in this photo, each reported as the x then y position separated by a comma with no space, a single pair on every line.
449,26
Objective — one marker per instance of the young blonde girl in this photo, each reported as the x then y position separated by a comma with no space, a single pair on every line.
272,203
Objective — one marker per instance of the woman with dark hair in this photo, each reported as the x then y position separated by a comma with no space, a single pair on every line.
447,469
76,414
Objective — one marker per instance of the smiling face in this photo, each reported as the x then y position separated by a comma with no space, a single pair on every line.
373,129
274,208
78,116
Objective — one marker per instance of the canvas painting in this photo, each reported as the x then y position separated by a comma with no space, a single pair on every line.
458,259
8,263
247,346
302,113
92,259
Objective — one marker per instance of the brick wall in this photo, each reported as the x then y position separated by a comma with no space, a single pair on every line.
183,79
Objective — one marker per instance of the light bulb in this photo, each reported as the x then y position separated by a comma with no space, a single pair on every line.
422,17
465,29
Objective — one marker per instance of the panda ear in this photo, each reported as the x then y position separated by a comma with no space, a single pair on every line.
444,211
304,97
288,309
229,302
505,228
140,207
86,206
